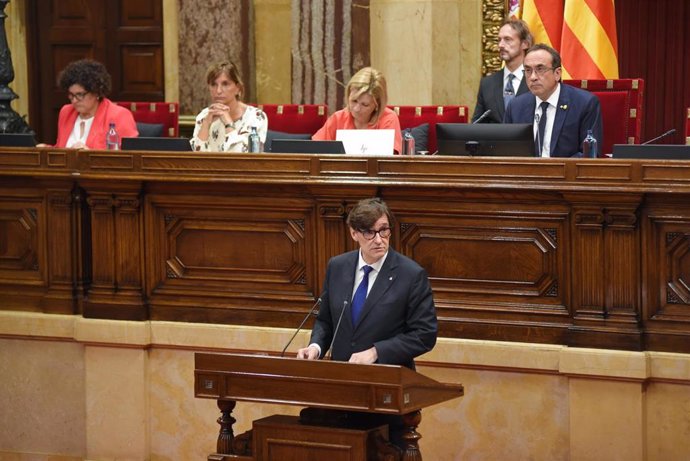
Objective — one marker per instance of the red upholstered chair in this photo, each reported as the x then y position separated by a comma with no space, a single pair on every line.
621,109
295,118
152,116
687,127
413,116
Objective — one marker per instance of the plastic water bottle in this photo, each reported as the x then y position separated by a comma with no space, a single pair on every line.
589,146
408,147
112,139
254,141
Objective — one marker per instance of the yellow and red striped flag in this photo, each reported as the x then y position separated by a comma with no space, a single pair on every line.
589,47
545,20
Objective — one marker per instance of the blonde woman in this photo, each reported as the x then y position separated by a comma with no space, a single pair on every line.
366,108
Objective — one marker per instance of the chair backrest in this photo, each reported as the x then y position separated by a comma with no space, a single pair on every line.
154,116
621,109
687,127
414,116
295,118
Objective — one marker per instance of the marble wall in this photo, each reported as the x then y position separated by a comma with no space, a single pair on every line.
74,388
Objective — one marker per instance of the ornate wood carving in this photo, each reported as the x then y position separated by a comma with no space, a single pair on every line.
493,15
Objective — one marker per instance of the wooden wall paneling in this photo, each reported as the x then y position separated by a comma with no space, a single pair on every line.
117,289
605,277
135,49
22,246
65,276
249,252
505,257
666,263
530,250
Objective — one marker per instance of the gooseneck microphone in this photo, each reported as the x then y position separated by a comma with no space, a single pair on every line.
313,311
482,117
668,133
337,327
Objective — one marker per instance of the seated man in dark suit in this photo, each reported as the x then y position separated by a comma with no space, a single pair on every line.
376,304
562,114
497,89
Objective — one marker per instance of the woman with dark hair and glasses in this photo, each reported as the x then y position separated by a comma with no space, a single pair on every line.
84,122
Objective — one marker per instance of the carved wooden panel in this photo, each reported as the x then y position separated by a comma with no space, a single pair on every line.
241,248
19,241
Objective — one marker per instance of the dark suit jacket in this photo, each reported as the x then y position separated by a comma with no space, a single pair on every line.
398,317
577,111
490,96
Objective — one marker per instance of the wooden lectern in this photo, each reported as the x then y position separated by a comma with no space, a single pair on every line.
329,385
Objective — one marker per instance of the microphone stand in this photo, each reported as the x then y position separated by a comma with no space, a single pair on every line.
335,332
309,314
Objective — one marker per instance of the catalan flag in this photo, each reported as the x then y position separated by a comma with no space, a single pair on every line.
589,47
545,20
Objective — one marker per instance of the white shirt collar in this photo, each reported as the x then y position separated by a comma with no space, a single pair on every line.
376,266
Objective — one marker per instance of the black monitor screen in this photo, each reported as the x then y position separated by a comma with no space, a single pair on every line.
158,144
490,139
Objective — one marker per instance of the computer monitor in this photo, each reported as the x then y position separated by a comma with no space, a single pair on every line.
489,139
157,144
652,151
17,140
307,146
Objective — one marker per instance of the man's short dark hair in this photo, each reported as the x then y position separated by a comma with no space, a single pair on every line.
555,57
367,211
520,26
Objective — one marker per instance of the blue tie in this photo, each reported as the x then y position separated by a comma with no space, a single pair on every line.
360,295
508,92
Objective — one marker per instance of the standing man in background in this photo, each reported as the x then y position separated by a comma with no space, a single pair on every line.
496,90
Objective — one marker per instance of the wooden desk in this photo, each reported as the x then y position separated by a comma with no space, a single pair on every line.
591,253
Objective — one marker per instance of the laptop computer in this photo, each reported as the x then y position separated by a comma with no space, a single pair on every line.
157,144
306,146
652,151
17,140
367,142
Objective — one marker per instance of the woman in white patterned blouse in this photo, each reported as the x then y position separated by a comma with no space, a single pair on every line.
224,126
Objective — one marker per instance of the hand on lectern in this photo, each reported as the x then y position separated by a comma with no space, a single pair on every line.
368,356
310,352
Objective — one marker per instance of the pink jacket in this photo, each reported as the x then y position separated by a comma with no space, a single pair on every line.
107,112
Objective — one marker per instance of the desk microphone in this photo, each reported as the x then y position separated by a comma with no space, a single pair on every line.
668,133
482,117
337,327
313,311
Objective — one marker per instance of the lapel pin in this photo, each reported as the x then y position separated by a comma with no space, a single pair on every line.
390,278
564,106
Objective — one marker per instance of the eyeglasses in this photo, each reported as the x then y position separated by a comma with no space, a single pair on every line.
78,96
539,70
371,234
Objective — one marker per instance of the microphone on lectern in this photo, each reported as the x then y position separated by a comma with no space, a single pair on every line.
482,117
313,311
337,327
668,133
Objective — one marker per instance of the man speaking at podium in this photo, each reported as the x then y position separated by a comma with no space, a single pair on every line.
377,305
